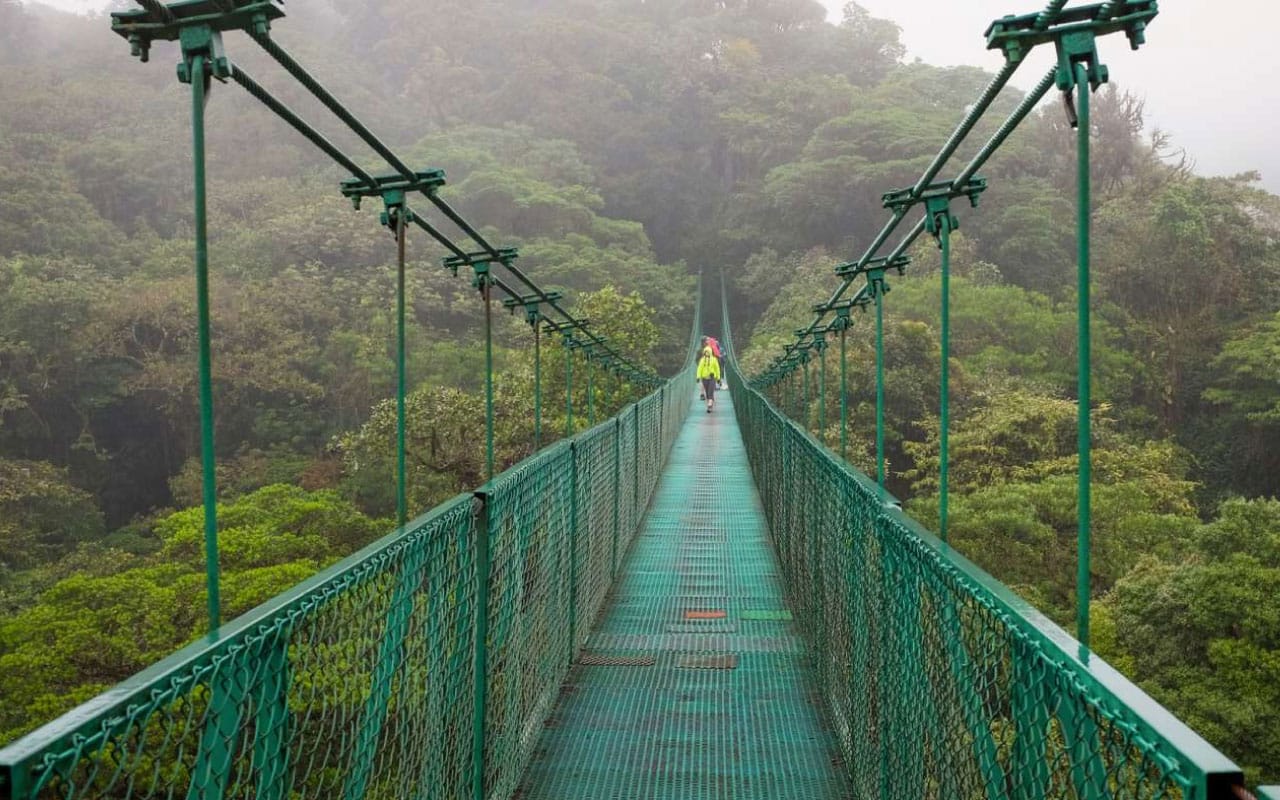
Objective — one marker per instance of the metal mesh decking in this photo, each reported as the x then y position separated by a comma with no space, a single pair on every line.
694,685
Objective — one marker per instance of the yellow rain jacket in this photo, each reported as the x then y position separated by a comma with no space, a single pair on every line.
708,365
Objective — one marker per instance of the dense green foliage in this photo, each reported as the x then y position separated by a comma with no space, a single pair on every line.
623,146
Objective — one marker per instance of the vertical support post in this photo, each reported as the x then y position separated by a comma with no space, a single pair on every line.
402,503
486,289
537,386
944,393
573,550
1082,311
271,723
635,472
878,283
617,491
208,461
662,421
391,655
804,393
591,402
568,386
822,390
219,741
480,662
844,399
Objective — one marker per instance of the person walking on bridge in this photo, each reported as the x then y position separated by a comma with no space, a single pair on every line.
715,349
709,375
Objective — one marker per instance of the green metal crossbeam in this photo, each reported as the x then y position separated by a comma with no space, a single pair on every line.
531,303
1015,36
140,27
504,255
425,181
851,269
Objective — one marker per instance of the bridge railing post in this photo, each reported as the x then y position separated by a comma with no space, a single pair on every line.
617,491
480,661
573,550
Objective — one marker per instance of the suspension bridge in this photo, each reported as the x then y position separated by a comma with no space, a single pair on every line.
658,605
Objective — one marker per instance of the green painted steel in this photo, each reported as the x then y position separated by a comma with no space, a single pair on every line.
844,396
591,392
568,386
878,291
938,680
664,706
197,66
1084,484
944,384
820,342
402,487
537,385
486,289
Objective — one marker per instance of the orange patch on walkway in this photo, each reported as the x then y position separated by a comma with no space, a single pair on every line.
716,613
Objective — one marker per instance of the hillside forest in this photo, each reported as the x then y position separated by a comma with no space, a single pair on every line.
624,146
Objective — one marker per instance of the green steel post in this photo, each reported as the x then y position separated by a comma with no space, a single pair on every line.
207,460
271,721
1027,706
219,741
617,490
537,386
635,470
880,383
568,388
573,549
804,392
1082,292
662,420
480,663
486,287
591,403
822,393
390,659
402,500
944,417
844,401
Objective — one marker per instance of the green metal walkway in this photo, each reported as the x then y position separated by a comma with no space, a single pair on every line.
694,684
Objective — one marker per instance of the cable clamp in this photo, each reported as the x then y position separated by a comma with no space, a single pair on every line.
503,255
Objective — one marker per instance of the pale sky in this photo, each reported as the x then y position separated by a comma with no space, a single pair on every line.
1210,77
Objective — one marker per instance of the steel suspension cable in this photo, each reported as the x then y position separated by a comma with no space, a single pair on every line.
1029,102
300,73
1046,18
311,134
295,69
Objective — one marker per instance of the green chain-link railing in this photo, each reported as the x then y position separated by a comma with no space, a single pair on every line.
938,680
422,666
